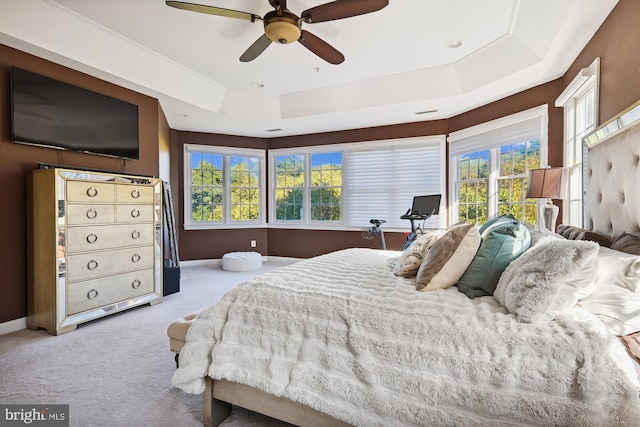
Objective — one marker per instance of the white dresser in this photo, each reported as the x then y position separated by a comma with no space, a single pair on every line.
95,246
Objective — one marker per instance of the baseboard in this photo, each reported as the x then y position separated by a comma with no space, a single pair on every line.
13,325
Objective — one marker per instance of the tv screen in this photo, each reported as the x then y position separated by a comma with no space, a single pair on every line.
51,113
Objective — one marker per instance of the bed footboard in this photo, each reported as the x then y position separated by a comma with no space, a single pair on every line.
219,395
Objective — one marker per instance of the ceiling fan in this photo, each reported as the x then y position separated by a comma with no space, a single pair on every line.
283,26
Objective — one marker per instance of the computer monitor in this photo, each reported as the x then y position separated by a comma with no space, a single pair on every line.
426,205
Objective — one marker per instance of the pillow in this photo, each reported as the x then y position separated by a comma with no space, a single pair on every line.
562,229
572,232
616,295
632,344
503,219
448,258
627,243
539,233
502,242
548,279
411,258
593,236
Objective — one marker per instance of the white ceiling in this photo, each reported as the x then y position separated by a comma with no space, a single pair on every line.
397,60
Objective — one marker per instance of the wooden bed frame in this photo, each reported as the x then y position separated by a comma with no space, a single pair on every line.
220,395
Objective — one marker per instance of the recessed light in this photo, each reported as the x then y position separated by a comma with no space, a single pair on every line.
257,85
454,44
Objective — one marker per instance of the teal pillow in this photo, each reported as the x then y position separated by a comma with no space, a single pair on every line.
502,242
503,219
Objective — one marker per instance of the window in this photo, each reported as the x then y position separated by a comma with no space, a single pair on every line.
308,182
289,187
515,162
224,186
349,184
489,167
326,186
472,186
579,101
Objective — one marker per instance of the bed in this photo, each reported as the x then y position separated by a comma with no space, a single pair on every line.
346,339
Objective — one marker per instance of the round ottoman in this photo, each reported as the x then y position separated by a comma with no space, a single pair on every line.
241,261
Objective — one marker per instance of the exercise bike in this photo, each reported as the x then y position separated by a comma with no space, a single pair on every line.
422,208
415,229
370,232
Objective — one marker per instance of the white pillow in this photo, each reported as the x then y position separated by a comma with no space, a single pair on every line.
548,278
616,295
446,261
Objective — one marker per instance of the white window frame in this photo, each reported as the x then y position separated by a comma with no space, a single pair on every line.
584,84
306,220
347,148
479,133
226,152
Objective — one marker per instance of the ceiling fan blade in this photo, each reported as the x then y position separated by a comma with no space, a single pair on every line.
255,49
340,9
320,47
212,10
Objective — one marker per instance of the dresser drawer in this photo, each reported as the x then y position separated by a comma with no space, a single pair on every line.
134,213
87,191
87,238
96,264
79,214
90,294
131,193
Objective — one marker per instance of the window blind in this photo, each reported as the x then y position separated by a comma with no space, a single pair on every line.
524,126
381,183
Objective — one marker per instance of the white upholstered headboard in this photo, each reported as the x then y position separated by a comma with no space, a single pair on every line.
613,185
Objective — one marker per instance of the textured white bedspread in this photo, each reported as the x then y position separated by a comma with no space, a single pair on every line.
342,334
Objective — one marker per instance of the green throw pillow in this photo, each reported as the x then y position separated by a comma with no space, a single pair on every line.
502,242
503,219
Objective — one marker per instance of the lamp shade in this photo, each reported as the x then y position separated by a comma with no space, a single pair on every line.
547,183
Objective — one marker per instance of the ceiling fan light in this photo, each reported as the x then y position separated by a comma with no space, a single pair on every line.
282,32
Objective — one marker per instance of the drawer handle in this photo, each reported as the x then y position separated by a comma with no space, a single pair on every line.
135,194
135,213
92,265
135,234
135,258
92,238
92,191
92,213
136,284
92,294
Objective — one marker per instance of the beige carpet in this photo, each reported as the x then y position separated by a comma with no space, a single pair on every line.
116,371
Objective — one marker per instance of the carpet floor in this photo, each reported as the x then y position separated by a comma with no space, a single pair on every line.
116,371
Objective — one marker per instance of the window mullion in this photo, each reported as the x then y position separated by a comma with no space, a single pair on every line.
306,200
492,185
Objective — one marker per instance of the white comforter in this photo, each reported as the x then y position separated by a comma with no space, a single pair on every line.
342,334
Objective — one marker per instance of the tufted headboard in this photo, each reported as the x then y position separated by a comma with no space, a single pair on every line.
613,181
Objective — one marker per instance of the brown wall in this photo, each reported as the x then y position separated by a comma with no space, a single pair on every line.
617,43
16,160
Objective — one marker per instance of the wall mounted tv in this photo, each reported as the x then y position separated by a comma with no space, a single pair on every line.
55,114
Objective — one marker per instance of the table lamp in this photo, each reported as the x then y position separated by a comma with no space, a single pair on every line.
548,183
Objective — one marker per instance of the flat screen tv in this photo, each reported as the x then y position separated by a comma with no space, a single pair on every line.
51,113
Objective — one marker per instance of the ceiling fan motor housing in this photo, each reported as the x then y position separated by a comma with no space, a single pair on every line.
283,27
